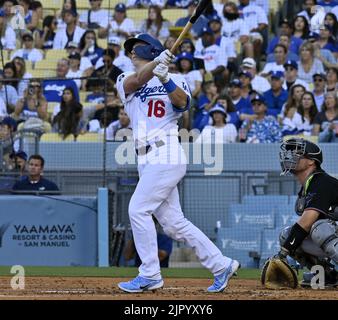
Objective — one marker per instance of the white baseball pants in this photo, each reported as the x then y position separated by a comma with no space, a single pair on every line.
156,193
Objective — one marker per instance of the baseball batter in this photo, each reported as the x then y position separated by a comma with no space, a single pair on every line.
154,100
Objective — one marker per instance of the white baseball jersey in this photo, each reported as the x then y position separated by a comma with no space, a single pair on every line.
150,110
233,30
254,15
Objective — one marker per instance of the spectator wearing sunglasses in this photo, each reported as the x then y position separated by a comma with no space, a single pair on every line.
319,83
291,76
45,38
108,68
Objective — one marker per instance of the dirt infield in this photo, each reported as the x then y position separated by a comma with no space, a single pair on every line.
175,289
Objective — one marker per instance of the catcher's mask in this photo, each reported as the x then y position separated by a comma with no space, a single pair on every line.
292,150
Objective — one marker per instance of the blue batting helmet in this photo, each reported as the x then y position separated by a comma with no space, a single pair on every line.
153,48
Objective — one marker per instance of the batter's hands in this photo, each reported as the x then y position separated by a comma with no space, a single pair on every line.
166,57
161,72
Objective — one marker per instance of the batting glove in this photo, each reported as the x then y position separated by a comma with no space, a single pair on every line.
166,57
161,72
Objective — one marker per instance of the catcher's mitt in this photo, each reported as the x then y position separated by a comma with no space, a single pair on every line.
277,274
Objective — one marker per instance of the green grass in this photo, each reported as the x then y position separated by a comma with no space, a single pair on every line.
196,273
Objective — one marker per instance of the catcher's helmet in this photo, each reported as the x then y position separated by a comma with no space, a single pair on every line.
153,48
292,150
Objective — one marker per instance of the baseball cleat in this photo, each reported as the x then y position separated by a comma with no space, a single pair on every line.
221,281
140,284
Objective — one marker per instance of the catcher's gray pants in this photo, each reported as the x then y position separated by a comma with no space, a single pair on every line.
322,241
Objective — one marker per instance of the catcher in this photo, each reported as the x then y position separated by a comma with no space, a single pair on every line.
313,239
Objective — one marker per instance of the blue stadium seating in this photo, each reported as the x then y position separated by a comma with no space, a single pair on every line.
270,244
292,200
255,216
238,242
272,200
285,216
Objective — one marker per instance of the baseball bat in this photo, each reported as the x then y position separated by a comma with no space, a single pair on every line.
198,11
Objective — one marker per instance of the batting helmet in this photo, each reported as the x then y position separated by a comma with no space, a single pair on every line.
292,150
153,48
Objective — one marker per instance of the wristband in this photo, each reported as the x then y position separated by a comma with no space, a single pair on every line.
295,238
170,86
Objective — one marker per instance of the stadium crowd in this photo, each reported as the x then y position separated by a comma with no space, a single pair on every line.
250,83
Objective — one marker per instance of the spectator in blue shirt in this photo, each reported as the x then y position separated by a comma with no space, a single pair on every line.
205,102
264,129
276,96
197,27
35,181
328,5
97,89
53,89
326,40
243,106
285,28
284,39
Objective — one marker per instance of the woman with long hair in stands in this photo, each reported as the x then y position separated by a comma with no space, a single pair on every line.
67,5
287,117
307,111
332,80
155,24
301,28
89,48
22,75
332,20
69,119
44,38
326,122
308,64
10,73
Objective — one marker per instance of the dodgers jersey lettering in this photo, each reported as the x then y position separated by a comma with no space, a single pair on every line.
149,108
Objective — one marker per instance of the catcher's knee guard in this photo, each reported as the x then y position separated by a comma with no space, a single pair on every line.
325,234
284,235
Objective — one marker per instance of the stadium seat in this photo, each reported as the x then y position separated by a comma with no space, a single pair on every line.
55,137
292,200
270,243
52,4
137,14
55,55
90,137
51,106
173,15
106,4
240,243
43,73
87,104
285,216
102,43
46,64
240,214
83,95
272,200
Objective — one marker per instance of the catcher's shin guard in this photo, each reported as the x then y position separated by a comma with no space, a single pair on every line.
325,234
